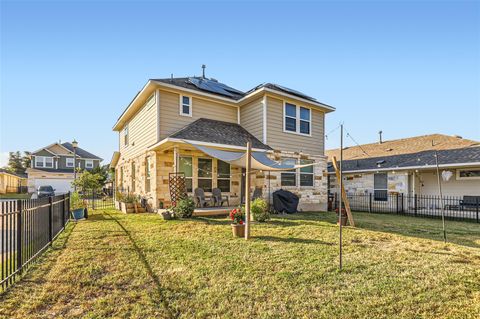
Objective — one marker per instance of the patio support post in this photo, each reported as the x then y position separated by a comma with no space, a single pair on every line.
247,191
175,159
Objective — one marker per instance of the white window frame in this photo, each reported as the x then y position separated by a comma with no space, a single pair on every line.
225,178
297,118
459,178
190,105
290,172
70,162
204,178
87,162
126,138
43,160
191,163
305,173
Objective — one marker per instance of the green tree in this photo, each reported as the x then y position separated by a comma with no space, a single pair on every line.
26,159
103,171
15,164
88,181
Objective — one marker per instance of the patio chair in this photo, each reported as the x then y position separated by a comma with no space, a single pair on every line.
200,199
218,198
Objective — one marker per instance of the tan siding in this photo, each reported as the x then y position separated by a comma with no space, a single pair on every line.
57,149
280,140
142,131
251,118
171,120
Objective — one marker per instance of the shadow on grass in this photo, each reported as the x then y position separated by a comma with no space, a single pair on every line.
143,259
292,240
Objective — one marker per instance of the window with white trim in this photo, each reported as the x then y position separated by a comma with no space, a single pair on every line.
70,162
44,161
186,168
306,173
297,119
88,163
223,177
185,105
147,174
125,135
463,174
288,178
205,174
380,187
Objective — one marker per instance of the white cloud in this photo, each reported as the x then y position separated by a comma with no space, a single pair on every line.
3,159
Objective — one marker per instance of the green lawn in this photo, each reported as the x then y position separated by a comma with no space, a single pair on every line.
14,196
139,266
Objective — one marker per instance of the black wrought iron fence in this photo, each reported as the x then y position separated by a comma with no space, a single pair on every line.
101,198
465,208
27,228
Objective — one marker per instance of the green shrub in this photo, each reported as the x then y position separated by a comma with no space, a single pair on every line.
259,210
184,208
76,201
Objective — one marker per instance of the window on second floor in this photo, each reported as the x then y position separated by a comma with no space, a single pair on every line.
297,119
70,162
88,163
185,105
125,135
44,161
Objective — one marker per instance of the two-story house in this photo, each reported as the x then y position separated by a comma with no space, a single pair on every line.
170,121
54,166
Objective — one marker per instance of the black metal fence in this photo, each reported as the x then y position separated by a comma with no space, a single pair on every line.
27,228
101,198
465,208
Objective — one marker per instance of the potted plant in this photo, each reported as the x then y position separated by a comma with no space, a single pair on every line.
344,216
128,203
259,209
168,215
77,206
184,207
238,226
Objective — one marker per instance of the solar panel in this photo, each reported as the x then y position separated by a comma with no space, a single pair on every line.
213,86
294,92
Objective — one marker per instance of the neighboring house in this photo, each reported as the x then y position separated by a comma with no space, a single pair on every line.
408,166
11,182
53,165
162,127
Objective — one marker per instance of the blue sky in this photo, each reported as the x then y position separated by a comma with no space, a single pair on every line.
408,68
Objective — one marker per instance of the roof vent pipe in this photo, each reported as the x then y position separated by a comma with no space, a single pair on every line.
380,139
203,70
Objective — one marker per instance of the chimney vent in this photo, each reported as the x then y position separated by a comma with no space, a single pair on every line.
203,70
380,137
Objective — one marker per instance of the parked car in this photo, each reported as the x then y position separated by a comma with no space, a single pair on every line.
45,191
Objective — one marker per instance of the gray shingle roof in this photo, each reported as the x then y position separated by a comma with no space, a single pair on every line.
212,131
445,157
80,151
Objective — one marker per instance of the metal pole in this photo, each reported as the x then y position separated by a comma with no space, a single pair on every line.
340,207
441,197
247,191
74,169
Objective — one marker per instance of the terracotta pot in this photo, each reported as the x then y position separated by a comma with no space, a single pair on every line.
238,230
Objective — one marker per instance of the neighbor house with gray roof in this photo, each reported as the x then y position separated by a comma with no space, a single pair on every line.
171,124
409,166
54,165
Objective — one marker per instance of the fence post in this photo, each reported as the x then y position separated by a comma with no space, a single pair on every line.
93,199
63,210
415,204
68,207
50,219
477,204
19,234
370,203
402,210
396,204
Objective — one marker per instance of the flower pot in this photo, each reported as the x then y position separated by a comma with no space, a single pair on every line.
78,213
238,230
167,215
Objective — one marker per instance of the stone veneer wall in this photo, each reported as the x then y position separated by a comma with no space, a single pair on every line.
161,164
